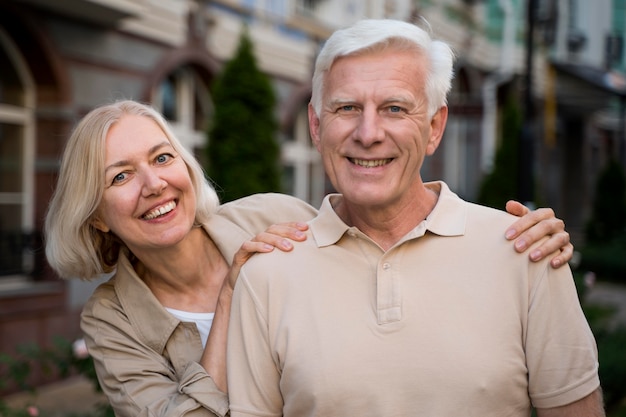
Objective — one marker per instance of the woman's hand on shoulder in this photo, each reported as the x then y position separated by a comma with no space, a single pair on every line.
534,225
279,236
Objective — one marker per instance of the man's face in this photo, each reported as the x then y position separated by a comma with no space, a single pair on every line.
373,131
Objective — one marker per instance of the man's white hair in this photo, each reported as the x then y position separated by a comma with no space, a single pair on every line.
371,34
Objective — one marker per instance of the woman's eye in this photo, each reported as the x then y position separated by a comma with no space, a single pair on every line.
119,178
163,158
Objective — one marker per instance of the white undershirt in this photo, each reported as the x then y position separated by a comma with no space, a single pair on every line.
203,321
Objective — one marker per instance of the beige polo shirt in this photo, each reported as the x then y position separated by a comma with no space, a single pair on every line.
451,321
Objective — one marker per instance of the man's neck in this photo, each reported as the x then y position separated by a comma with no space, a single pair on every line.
387,225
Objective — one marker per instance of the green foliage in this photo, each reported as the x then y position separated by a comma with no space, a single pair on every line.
60,360
605,245
612,358
608,220
17,369
243,153
606,259
610,340
500,185
6,411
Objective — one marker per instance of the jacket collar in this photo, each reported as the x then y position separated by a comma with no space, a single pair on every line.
154,324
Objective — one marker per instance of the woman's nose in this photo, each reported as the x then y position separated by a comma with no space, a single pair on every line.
153,184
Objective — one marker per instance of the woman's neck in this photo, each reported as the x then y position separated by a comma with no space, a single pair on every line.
187,276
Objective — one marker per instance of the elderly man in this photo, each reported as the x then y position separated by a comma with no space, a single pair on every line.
405,300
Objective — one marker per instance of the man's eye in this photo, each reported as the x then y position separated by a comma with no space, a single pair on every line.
346,108
395,109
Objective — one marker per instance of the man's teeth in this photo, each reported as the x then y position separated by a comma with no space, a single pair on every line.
160,211
371,163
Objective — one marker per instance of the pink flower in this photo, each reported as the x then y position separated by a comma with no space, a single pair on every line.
32,411
590,279
79,347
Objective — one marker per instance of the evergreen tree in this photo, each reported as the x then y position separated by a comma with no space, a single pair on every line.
608,219
500,185
243,154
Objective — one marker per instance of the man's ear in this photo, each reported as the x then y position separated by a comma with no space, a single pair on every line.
314,127
100,225
437,127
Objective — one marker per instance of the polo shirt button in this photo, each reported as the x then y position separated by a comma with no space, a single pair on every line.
386,266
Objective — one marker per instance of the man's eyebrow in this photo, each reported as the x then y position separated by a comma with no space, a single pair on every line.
393,99
341,101
398,99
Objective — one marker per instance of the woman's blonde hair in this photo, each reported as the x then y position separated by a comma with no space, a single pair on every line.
74,247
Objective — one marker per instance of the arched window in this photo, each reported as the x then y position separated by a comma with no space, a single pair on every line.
17,100
184,99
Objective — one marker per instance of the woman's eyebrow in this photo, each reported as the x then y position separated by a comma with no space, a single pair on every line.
150,151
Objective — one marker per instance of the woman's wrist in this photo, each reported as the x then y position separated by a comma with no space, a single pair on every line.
225,298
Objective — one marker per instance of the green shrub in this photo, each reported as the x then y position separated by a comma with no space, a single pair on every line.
243,154
612,358
61,360
608,219
606,259
501,184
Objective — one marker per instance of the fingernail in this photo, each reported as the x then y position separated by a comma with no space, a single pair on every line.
299,234
535,255
556,263
520,244
268,247
285,244
510,233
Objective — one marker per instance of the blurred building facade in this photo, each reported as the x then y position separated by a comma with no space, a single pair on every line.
59,59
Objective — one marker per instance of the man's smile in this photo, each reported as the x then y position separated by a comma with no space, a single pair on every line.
370,163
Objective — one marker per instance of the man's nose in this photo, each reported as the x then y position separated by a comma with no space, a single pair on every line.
369,129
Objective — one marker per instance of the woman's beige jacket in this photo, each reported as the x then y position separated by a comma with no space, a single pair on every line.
146,359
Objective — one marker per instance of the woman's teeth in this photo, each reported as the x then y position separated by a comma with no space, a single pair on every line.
160,211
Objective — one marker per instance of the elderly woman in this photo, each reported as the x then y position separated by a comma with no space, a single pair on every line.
131,200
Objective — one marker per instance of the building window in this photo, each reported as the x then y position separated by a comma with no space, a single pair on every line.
168,100
16,163
184,99
303,172
307,7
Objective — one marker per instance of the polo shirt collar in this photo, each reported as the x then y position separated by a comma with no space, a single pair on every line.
448,218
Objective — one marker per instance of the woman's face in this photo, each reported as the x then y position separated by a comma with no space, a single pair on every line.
149,200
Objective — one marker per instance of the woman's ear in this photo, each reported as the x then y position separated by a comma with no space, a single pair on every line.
100,225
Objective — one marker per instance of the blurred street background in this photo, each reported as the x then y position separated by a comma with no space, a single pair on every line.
537,114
